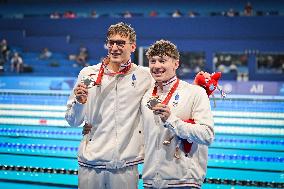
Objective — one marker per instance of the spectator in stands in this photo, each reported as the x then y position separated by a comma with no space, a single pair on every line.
191,14
222,68
94,14
55,15
2,62
248,10
17,63
231,13
69,14
233,68
127,14
199,64
176,14
81,58
45,54
153,13
5,50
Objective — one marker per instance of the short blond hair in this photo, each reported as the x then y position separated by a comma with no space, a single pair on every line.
163,48
123,30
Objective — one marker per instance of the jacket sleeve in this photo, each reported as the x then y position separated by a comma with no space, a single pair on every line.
202,131
75,112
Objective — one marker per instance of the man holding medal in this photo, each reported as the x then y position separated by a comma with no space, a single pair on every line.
107,98
175,115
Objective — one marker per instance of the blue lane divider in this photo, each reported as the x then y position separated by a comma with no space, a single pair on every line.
40,131
211,156
249,141
246,158
37,146
61,132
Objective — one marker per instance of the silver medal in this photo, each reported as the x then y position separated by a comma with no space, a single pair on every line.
88,81
152,102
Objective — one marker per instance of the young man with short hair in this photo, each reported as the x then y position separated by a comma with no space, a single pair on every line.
107,97
168,110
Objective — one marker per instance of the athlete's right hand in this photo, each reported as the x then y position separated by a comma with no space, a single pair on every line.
81,93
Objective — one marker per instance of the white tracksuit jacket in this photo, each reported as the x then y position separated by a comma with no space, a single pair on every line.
116,138
161,168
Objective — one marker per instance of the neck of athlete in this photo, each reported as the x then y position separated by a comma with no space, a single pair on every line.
166,83
114,66
160,85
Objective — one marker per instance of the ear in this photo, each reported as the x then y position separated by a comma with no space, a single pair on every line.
133,47
176,62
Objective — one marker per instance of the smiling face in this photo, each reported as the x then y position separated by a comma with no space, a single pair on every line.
121,42
163,59
120,49
163,68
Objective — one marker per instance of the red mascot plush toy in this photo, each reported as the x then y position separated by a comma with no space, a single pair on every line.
209,83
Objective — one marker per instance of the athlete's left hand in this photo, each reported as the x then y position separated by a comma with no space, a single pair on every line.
86,129
163,111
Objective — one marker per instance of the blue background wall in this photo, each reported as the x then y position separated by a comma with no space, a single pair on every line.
208,34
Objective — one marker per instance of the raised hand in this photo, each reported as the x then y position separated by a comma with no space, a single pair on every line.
81,93
162,110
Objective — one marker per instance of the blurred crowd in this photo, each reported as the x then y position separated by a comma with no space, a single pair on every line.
248,10
13,60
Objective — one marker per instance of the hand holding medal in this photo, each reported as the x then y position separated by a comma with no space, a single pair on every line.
162,110
87,82
153,101
159,107
81,93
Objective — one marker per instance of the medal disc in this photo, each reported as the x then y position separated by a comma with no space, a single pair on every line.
88,81
152,102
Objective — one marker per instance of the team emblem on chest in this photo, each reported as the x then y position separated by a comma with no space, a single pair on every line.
175,102
133,83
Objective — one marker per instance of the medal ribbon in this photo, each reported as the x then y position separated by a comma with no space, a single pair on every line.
169,95
186,145
102,69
